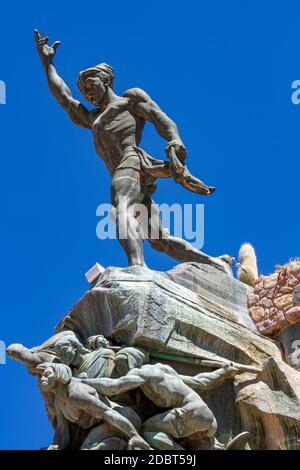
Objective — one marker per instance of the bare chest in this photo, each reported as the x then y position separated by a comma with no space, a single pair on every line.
117,126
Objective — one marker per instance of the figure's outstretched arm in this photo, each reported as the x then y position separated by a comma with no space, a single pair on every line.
145,107
208,380
61,92
109,387
24,355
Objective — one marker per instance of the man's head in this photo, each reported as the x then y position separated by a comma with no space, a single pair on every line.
94,82
68,349
130,358
52,374
97,342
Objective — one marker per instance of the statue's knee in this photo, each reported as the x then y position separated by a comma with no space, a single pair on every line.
161,441
152,437
111,443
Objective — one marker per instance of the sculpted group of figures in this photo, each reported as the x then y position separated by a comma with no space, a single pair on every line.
101,397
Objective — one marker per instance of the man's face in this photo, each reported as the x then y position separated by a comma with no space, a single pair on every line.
93,89
66,352
48,380
99,341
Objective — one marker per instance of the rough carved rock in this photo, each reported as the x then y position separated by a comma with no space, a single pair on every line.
272,403
192,309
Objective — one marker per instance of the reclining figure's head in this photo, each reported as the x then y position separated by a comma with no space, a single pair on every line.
69,349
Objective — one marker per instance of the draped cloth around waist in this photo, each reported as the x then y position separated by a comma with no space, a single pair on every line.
151,168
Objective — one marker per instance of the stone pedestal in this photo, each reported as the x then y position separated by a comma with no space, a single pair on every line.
192,310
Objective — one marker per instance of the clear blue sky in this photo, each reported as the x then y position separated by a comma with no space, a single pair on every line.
221,70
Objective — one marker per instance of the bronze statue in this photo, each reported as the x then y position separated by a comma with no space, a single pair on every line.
117,124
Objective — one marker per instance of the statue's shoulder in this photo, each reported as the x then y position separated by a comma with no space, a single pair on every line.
158,368
108,352
165,369
137,95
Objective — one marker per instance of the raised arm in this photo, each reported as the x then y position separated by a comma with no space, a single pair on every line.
109,387
145,107
61,92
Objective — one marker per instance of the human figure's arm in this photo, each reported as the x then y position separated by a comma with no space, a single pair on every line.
207,380
61,92
93,405
24,355
145,107
109,387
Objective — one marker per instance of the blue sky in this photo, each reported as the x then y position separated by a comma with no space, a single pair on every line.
221,70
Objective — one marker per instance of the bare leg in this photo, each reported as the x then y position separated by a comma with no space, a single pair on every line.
103,436
125,194
97,435
181,422
95,407
177,248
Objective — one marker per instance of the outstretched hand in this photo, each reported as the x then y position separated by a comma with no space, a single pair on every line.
177,153
46,53
179,148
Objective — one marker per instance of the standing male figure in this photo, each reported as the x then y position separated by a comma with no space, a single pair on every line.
117,124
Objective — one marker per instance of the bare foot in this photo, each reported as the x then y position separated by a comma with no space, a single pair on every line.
224,264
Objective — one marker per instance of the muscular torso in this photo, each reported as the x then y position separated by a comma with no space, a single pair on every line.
76,406
164,387
113,137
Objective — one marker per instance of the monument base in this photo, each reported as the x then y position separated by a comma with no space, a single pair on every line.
189,321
